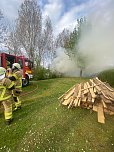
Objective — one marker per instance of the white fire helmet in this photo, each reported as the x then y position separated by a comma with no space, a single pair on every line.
2,73
16,65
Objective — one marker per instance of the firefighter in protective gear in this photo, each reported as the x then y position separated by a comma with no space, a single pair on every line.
17,79
6,87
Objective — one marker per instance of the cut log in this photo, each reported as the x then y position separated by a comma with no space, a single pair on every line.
107,84
71,102
69,94
76,91
89,97
94,108
109,88
85,90
96,86
92,92
76,102
67,101
105,99
104,104
100,111
66,93
79,95
84,98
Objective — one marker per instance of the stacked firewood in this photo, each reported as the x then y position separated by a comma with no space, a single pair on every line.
94,95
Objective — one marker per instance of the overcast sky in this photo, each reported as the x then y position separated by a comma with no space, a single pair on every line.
63,13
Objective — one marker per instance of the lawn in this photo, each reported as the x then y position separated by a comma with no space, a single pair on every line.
43,125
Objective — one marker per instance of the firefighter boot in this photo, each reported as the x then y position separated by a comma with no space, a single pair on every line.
17,108
8,121
17,104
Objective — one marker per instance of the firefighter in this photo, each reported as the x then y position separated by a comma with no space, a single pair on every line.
8,72
17,79
8,64
6,87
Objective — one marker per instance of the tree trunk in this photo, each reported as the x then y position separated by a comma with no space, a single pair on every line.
81,71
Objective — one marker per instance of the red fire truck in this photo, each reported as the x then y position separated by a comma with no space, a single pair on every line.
6,61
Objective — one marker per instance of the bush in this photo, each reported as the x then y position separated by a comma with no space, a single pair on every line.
107,76
41,73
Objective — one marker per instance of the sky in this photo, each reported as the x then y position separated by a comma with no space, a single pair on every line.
63,13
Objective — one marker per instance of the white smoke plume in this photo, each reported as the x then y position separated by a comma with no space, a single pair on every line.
97,43
63,64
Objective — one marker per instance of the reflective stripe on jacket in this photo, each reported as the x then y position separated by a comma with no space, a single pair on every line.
18,81
5,85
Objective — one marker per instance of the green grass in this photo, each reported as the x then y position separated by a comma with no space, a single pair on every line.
43,125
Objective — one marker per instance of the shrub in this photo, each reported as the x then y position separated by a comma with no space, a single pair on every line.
107,76
41,73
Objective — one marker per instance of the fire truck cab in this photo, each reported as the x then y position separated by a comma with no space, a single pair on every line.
6,61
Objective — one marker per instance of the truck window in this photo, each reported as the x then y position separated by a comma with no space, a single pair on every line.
9,60
28,64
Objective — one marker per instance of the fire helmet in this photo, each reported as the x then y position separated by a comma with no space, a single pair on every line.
16,65
2,72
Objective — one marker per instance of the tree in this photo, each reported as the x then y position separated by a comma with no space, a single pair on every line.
46,48
72,48
13,44
3,29
48,39
45,44
63,39
30,35
29,27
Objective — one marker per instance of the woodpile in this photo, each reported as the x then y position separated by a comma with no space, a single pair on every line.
94,95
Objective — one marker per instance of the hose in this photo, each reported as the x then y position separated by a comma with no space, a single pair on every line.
24,94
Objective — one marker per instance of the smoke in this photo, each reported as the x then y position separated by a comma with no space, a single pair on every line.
96,43
63,64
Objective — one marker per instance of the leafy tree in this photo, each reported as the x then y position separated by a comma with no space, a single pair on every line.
72,47
73,41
